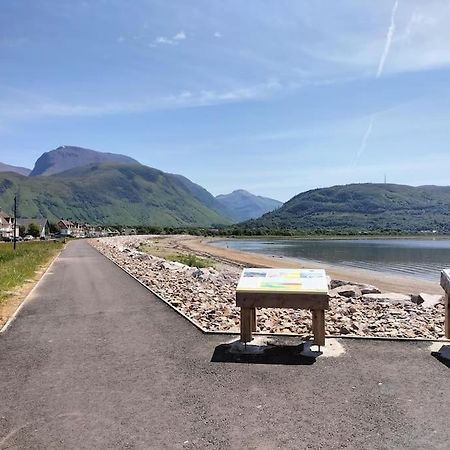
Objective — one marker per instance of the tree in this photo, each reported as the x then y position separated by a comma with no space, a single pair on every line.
22,230
53,227
34,230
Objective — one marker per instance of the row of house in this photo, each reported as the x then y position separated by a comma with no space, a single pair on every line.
7,225
77,229
67,228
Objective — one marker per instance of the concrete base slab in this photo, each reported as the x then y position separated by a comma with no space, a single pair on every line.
260,344
257,346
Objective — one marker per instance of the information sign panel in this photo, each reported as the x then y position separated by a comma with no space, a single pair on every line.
294,281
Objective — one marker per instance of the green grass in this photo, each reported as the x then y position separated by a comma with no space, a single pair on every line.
18,266
192,260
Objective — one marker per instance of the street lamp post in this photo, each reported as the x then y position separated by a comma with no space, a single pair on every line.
15,221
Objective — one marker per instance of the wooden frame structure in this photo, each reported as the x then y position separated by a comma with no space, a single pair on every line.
445,283
248,300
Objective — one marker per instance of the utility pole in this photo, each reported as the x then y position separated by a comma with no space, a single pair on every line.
15,221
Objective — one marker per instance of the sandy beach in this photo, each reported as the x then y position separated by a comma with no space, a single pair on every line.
386,282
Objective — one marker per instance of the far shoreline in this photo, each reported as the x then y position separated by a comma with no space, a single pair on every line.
336,237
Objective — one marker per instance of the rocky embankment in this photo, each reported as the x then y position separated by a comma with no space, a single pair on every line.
207,296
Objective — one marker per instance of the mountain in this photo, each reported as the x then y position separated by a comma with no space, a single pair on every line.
68,157
363,207
7,168
205,197
243,205
106,193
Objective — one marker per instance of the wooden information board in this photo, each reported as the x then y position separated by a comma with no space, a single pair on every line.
282,288
286,281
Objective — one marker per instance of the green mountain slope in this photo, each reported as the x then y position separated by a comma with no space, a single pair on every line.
108,194
363,207
243,205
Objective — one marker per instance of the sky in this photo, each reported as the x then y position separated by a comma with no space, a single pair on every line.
273,96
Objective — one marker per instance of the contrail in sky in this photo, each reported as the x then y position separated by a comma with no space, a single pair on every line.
384,55
387,44
362,147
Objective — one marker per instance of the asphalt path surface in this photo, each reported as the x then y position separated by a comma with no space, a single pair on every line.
95,361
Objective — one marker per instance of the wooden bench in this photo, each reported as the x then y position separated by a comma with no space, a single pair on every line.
282,288
445,283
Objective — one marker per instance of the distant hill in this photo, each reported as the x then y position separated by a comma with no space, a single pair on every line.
7,168
123,194
69,157
243,205
363,207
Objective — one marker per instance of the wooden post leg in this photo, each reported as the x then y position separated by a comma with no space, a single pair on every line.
253,319
318,325
246,324
447,316
314,324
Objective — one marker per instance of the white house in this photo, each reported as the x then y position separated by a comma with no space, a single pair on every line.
41,223
7,226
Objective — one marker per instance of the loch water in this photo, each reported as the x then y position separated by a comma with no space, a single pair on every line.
420,258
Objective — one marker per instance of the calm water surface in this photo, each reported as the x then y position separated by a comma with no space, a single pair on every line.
413,257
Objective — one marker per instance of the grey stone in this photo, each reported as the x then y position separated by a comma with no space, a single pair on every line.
346,290
390,297
368,289
364,288
336,283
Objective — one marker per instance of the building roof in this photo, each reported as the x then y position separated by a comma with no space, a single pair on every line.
66,223
41,223
4,215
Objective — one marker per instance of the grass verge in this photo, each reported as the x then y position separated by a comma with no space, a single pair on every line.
16,267
192,260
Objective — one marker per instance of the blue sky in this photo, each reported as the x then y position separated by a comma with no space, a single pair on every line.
276,97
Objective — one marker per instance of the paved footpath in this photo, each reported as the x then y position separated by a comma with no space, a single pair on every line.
94,361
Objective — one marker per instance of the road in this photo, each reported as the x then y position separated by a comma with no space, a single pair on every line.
95,361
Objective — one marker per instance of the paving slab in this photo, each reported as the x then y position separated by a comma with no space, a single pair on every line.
94,360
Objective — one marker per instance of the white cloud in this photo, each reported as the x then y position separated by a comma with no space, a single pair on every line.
163,40
217,34
175,40
180,36
42,107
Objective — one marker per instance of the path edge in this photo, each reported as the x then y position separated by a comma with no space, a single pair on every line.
27,297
